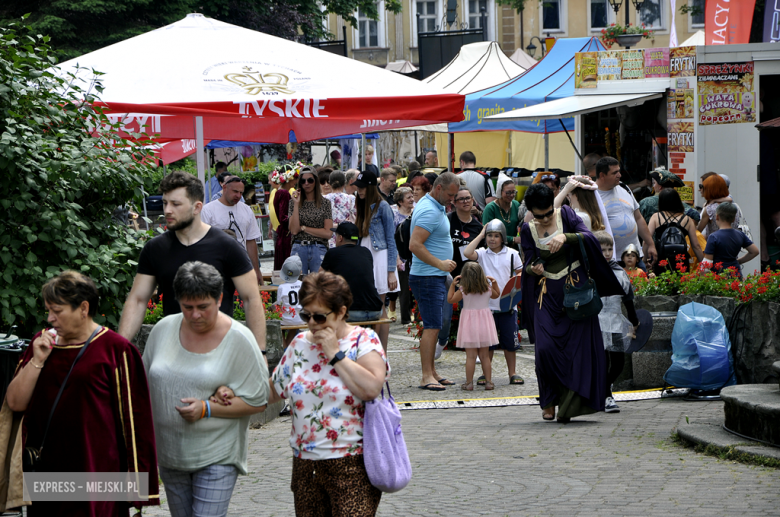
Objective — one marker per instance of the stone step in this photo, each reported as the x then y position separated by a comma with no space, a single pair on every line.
753,410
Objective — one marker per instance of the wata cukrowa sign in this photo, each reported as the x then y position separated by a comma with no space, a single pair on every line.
656,62
726,93
610,65
586,66
633,65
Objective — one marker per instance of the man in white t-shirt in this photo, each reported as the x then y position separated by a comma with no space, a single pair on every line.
626,220
236,219
477,182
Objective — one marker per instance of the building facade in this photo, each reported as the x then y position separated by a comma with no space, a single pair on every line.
394,36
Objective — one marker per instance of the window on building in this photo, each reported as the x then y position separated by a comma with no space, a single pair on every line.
697,16
598,14
551,15
651,14
475,13
367,31
427,11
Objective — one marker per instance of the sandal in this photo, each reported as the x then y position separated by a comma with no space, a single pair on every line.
481,380
516,379
547,415
489,386
468,386
393,315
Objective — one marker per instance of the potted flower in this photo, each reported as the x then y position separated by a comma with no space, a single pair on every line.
625,36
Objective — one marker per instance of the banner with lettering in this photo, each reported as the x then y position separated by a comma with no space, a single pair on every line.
610,65
727,22
656,62
726,93
682,62
586,66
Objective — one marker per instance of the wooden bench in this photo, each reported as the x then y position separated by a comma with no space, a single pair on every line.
359,323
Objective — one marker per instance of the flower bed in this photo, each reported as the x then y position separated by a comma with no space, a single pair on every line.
609,34
154,309
678,280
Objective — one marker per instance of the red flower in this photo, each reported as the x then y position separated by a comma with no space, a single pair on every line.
333,372
349,400
663,263
332,435
316,368
299,405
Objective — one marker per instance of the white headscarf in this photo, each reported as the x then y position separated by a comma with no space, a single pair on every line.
502,178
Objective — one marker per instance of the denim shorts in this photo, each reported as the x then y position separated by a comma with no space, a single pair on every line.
364,315
430,292
506,325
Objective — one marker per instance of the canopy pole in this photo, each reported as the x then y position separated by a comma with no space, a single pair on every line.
363,150
199,156
416,152
578,137
570,140
452,152
546,150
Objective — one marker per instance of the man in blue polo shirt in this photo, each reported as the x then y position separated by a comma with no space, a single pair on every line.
431,246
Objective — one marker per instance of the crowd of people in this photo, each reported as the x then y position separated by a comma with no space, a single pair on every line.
183,407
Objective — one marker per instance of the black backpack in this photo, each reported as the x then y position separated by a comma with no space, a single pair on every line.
670,239
403,235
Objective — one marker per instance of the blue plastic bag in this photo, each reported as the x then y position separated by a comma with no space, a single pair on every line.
701,350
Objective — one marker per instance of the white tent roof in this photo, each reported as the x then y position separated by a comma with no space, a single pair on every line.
521,58
697,39
570,106
250,86
402,67
476,67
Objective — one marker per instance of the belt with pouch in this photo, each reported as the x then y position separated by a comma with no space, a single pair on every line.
306,242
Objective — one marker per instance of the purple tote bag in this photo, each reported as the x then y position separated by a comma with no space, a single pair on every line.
384,448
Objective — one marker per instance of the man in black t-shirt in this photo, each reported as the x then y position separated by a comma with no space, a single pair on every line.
356,265
189,239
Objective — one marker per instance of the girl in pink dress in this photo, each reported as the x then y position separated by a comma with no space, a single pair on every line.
477,330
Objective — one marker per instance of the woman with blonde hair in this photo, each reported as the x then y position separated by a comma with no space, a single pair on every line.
581,193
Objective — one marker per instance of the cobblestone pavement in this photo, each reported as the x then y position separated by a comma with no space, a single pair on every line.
506,461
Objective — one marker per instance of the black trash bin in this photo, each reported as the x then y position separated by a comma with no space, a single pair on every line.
11,348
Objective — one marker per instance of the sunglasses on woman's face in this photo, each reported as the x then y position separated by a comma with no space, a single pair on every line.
542,216
306,180
318,318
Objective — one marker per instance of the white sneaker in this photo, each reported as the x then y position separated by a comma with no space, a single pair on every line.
610,406
439,350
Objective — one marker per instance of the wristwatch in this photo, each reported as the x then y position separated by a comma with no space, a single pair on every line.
336,358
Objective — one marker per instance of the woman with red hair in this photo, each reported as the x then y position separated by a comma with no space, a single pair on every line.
715,190
420,187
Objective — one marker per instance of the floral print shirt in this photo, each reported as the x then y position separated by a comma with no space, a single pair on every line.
327,419
342,209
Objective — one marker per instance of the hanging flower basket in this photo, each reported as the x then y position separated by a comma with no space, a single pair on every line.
612,34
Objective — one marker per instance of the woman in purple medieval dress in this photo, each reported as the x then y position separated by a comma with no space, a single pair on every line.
570,364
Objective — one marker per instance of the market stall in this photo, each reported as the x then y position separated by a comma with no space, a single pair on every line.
231,83
696,107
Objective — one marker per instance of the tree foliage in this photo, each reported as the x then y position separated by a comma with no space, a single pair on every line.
81,26
59,184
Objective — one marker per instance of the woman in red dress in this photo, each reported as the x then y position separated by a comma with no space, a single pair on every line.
103,420
283,245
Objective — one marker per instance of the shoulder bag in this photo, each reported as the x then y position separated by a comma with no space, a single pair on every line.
384,448
32,455
581,302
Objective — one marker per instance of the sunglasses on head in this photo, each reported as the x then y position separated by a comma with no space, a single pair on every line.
552,177
306,180
235,180
318,318
542,216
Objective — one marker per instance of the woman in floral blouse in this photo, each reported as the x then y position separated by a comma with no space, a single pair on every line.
342,204
326,374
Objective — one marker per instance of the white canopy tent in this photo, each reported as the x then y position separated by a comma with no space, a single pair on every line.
401,67
697,39
523,59
216,81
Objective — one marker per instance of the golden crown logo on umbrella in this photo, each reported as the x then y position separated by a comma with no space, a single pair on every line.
255,82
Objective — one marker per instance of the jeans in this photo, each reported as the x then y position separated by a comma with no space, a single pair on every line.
200,493
431,294
446,315
364,315
311,256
